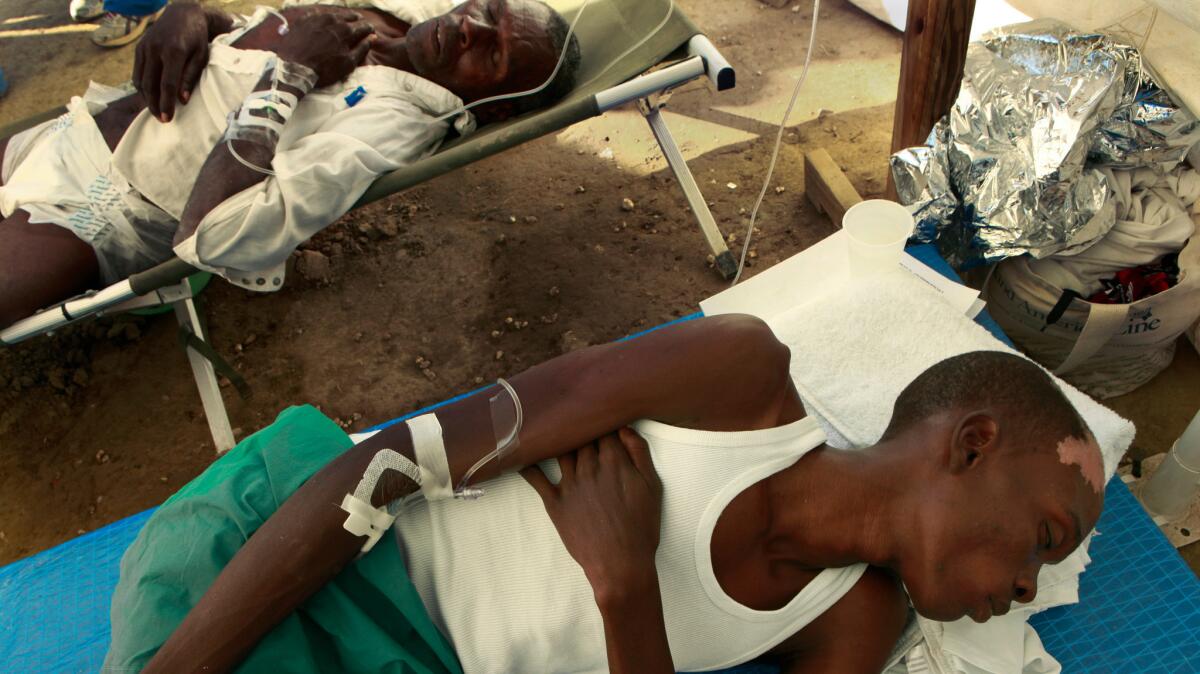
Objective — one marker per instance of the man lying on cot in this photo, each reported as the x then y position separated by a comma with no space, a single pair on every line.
283,129
759,540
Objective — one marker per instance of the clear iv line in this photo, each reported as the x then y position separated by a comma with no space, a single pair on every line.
283,30
244,162
562,56
503,448
812,39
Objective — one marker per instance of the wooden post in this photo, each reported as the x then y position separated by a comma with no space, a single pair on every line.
931,66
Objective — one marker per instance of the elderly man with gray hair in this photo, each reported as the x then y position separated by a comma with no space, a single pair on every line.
249,135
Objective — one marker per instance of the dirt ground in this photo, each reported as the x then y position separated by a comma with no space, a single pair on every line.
474,275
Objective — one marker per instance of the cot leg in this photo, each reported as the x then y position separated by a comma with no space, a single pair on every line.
725,262
188,316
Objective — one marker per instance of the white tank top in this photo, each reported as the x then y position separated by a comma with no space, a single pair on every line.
497,580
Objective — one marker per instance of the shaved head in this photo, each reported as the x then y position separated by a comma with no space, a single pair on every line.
1013,479
992,380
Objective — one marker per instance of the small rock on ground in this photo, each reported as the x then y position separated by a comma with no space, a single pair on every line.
314,266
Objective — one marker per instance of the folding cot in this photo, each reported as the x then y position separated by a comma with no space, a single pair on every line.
622,41
1139,607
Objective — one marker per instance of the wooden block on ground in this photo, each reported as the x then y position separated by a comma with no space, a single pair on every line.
827,187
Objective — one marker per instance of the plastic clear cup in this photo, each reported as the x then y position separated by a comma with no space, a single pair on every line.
876,231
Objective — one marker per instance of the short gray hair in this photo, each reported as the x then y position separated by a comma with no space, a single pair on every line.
563,83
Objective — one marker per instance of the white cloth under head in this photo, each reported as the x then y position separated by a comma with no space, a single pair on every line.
61,173
852,371
854,350
328,154
497,580
430,452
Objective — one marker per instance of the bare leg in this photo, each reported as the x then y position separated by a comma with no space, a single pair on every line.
40,264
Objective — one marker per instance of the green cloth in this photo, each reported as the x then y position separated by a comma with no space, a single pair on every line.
368,619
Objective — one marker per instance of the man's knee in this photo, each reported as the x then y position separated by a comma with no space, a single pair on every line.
40,264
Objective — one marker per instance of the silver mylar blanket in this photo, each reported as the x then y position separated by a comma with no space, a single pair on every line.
1011,168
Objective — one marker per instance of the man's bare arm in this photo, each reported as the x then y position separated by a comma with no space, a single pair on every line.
723,373
635,631
855,636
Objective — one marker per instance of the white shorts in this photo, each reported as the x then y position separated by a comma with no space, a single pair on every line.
20,144
61,172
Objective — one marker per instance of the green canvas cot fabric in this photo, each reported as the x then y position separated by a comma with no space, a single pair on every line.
607,30
368,619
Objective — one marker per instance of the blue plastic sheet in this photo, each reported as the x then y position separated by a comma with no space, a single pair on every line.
1139,607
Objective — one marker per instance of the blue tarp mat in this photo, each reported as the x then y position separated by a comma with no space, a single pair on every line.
1139,608
54,605
1139,603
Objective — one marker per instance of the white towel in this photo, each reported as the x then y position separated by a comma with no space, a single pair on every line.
854,349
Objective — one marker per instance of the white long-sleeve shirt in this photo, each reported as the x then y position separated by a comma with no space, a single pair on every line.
328,154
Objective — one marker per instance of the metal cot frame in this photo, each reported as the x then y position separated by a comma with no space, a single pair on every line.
167,284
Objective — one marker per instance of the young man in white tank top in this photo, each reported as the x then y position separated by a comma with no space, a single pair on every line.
985,474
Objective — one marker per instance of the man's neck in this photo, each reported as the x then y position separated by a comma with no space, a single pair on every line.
390,53
388,49
834,508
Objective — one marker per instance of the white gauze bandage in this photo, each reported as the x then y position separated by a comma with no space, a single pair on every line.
365,519
430,450
261,117
431,472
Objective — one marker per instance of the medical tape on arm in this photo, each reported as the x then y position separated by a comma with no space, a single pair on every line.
431,472
430,450
261,117
365,519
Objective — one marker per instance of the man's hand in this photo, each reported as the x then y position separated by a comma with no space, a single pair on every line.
172,54
332,44
607,509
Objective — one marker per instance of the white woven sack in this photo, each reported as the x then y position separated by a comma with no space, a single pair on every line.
1104,349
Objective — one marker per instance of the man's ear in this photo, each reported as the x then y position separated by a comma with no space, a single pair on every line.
975,437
